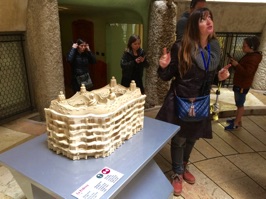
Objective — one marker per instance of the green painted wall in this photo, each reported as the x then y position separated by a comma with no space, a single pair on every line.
108,40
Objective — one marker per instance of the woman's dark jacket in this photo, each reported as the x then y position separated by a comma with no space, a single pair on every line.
80,61
131,70
191,85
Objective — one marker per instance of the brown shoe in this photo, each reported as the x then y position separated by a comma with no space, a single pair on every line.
177,184
187,176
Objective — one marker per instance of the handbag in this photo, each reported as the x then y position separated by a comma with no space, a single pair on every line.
85,79
197,108
193,109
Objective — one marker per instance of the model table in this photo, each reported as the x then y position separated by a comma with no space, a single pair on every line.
41,173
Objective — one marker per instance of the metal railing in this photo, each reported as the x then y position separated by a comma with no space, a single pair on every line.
231,43
14,89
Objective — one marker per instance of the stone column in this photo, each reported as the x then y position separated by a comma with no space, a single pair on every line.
259,81
44,53
161,34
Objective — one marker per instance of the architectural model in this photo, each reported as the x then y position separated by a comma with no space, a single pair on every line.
95,123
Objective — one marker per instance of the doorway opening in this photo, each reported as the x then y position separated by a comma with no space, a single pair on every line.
116,41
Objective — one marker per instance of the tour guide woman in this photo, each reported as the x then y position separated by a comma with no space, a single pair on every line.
191,65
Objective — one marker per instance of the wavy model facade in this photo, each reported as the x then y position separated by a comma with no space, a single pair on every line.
95,123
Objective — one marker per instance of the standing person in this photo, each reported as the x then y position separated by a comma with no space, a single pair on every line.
191,66
133,62
245,71
181,24
180,28
80,57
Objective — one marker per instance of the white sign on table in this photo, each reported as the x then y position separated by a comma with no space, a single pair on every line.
99,184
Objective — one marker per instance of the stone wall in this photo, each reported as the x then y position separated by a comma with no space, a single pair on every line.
161,34
259,81
43,52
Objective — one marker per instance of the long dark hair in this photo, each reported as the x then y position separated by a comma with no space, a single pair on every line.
191,39
131,40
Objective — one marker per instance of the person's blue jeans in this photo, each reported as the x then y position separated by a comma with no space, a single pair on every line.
240,99
180,152
240,95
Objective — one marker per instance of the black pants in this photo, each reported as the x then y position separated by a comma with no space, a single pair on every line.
181,149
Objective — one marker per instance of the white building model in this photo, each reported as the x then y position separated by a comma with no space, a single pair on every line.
94,123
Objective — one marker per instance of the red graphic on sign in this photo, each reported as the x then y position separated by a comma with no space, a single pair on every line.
105,171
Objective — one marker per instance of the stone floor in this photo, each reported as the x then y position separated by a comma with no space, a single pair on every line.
231,165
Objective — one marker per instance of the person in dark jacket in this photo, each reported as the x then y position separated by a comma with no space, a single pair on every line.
80,57
245,71
187,65
133,62
181,23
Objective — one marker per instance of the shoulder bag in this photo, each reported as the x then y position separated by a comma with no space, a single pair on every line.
198,108
85,79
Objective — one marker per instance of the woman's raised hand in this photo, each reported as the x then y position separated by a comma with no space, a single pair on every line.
224,73
75,45
165,58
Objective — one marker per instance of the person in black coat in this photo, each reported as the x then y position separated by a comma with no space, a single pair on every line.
133,63
191,66
80,57
181,23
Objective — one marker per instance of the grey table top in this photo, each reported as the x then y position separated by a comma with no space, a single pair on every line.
60,175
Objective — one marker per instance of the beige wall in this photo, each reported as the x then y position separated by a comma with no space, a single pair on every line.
13,15
233,17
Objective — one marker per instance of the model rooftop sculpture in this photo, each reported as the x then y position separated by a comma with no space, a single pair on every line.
95,123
